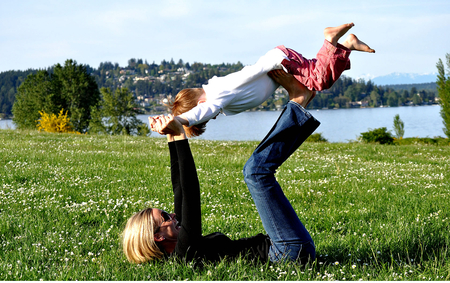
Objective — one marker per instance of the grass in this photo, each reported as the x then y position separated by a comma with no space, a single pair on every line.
375,212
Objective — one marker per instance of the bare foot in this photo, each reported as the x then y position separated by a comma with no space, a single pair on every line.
333,34
297,92
353,43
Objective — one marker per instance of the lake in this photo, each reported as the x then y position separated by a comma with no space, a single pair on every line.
337,125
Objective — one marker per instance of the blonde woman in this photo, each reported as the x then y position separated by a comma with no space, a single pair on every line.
153,233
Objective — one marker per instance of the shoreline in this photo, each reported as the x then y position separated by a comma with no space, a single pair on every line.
9,118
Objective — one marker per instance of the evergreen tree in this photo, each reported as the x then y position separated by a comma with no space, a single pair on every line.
33,96
417,100
117,114
77,93
399,127
374,97
352,92
443,82
9,82
392,99
132,63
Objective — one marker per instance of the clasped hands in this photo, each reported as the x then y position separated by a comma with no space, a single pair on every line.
166,125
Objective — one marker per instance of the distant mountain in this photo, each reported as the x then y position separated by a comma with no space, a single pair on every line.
404,78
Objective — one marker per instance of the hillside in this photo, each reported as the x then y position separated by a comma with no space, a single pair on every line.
154,83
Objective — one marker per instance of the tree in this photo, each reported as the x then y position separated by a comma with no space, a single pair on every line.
352,93
341,101
417,100
70,87
77,93
392,99
443,86
399,127
413,91
142,68
117,114
132,63
374,97
9,82
32,97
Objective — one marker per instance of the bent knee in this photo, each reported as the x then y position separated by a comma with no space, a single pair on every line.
249,170
254,171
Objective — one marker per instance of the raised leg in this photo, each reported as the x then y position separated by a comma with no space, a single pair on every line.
290,239
297,92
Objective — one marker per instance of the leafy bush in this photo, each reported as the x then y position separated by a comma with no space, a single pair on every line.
317,137
54,124
380,135
439,141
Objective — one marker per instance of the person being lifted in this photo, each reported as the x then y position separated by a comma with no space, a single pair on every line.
251,86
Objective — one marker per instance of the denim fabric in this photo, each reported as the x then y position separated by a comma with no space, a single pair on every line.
290,239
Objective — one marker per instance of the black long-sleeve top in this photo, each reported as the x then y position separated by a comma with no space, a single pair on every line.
191,243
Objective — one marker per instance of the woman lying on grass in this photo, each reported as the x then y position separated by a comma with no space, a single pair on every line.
154,234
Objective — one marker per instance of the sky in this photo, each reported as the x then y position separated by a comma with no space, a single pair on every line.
409,36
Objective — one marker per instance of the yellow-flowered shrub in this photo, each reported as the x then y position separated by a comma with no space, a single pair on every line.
54,124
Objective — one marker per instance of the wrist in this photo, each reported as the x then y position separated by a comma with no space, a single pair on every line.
183,121
181,136
172,138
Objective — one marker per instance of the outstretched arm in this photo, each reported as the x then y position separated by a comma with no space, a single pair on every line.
184,181
176,133
204,112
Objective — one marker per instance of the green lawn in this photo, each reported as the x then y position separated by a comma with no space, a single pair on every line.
375,212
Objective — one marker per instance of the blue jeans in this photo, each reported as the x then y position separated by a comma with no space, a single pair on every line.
290,239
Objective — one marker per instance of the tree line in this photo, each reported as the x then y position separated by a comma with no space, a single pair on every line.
154,82
165,79
9,83
104,100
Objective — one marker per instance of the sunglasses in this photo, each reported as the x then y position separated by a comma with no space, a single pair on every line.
166,217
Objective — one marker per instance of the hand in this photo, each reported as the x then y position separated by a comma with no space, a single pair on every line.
158,123
152,123
171,125
155,123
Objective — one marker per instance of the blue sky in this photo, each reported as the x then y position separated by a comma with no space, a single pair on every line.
408,36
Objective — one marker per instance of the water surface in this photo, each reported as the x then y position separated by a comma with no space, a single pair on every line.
337,125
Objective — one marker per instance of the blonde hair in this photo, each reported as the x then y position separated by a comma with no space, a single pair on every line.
138,240
185,100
